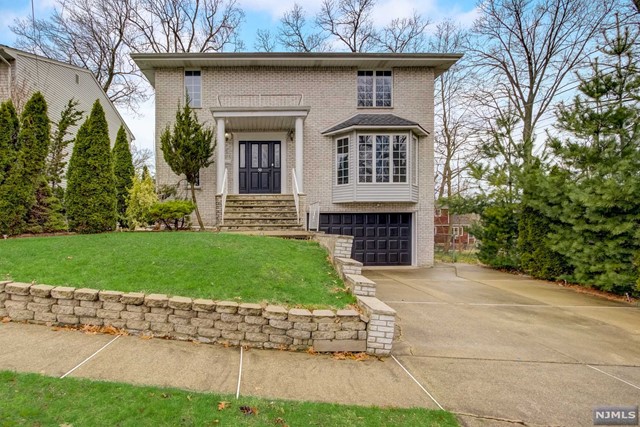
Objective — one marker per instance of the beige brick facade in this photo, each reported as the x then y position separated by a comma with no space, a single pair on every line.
330,94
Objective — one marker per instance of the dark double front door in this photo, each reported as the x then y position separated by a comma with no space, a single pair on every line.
259,166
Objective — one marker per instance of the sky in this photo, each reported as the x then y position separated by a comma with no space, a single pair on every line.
259,14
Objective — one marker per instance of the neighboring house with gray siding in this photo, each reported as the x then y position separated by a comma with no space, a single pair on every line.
348,135
23,73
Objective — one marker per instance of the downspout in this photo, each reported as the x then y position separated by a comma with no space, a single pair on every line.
9,79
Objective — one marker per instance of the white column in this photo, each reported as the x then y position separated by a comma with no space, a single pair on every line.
220,162
300,153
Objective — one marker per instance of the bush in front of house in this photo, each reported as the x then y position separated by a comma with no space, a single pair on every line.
123,170
173,213
91,194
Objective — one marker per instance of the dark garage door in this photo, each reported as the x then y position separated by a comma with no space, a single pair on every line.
379,238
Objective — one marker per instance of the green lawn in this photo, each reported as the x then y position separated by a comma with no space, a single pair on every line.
35,400
200,265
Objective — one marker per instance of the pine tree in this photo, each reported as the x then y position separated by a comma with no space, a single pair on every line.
91,196
188,149
124,172
18,191
594,189
497,231
9,128
56,159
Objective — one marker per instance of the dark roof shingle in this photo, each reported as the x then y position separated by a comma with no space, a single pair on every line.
374,121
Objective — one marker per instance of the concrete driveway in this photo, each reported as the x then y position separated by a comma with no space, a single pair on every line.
508,350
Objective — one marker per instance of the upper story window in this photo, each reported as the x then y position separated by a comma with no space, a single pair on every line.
374,88
193,88
342,160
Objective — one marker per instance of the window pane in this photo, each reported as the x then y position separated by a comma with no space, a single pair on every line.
265,156
342,161
365,158
243,155
254,155
192,86
383,88
365,88
276,155
382,158
414,160
399,158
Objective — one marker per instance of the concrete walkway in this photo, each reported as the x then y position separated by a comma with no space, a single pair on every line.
504,347
202,367
492,345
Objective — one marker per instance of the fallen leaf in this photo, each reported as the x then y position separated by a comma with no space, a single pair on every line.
189,397
6,319
223,405
311,351
166,396
280,421
249,410
146,337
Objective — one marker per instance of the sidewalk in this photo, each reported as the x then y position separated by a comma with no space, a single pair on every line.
207,368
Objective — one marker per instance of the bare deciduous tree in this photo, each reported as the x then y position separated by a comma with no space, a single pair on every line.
454,124
529,48
186,25
265,41
295,35
404,34
349,21
93,34
141,157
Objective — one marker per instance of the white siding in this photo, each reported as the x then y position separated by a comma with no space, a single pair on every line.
57,82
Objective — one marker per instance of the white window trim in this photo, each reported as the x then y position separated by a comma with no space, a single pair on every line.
413,157
374,89
184,86
349,161
374,172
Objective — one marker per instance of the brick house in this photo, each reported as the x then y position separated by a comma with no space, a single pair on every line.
342,138
454,230
23,73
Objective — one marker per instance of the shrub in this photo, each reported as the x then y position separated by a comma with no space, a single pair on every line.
173,213
91,193
123,171
142,196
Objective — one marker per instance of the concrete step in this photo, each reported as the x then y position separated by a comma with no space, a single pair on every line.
258,226
260,203
260,220
260,209
260,197
260,212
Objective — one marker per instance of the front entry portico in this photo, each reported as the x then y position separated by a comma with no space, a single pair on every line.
260,162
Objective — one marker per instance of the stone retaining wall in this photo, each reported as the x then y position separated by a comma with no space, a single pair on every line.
338,246
204,320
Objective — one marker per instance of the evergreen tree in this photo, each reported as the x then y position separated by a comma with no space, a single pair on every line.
498,207
56,159
46,214
594,189
124,172
188,149
91,195
9,128
18,191
142,196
